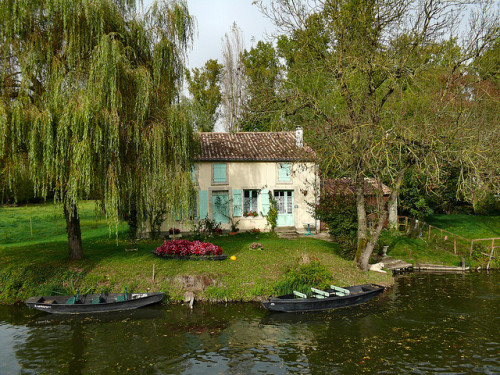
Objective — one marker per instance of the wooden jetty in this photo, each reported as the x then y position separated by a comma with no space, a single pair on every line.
440,268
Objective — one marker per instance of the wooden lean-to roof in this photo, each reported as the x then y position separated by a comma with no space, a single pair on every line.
347,186
253,146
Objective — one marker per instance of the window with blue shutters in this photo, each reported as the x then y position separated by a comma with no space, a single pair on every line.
283,172
220,174
237,203
264,201
203,204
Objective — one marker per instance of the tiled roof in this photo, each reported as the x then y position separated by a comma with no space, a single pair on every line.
346,185
256,146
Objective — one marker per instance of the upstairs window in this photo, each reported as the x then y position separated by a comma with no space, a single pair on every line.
220,174
283,172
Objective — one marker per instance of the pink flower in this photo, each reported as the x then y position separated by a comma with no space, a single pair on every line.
187,248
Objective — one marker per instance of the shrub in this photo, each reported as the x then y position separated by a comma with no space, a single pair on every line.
272,214
339,213
304,277
487,205
206,228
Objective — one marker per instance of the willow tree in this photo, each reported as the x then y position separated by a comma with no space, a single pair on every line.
88,93
381,88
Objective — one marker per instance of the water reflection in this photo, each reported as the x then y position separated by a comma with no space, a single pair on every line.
425,323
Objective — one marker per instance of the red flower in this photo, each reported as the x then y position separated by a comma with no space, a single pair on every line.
187,248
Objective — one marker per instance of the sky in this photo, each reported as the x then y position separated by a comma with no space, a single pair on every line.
214,18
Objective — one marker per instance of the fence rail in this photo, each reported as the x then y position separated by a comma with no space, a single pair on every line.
493,243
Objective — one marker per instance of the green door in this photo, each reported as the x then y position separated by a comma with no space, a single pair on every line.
220,206
284,203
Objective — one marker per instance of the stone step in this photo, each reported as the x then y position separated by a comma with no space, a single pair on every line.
284,229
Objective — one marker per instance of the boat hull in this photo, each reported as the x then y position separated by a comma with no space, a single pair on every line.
110,302
359,294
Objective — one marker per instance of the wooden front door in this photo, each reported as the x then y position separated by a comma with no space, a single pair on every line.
284,203
220,206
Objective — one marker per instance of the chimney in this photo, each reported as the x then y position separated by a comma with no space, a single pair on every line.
299,136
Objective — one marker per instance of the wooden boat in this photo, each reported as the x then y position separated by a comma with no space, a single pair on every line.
93,303
331,298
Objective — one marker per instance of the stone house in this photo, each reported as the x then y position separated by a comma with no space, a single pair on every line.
237,175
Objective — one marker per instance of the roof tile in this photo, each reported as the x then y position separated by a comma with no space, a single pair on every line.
253,146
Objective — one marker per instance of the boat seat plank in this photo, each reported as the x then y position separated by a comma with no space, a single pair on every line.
320,292
71,301
75,299
299,294
97,300
340,291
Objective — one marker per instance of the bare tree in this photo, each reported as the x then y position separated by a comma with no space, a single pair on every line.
233,79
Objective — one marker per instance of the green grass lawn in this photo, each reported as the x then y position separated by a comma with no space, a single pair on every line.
468,226
40,266
40,223
439,249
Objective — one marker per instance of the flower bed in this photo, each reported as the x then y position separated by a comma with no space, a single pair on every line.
183,249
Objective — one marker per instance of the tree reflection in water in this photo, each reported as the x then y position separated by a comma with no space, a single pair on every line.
426,323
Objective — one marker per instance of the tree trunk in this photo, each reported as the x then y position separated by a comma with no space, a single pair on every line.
362,223
370,245
365,247
74,232
393,213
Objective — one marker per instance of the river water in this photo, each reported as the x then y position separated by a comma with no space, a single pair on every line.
424,324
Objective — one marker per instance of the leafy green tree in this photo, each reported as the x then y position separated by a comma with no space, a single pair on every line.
88,93
262,111
381,90
488,63
204,87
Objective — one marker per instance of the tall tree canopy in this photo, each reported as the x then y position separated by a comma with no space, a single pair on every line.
88,93
204,87
382,86
262,110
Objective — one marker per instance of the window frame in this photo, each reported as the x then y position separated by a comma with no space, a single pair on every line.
250,198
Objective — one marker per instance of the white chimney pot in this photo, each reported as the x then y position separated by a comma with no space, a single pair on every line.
299,136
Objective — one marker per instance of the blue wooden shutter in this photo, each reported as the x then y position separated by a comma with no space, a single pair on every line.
193,174
203,204
237,211
264,200
219,173
283,172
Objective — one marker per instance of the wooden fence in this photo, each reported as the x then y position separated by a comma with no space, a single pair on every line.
458,241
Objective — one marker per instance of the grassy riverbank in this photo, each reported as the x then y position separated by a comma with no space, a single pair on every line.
440,248
42,267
